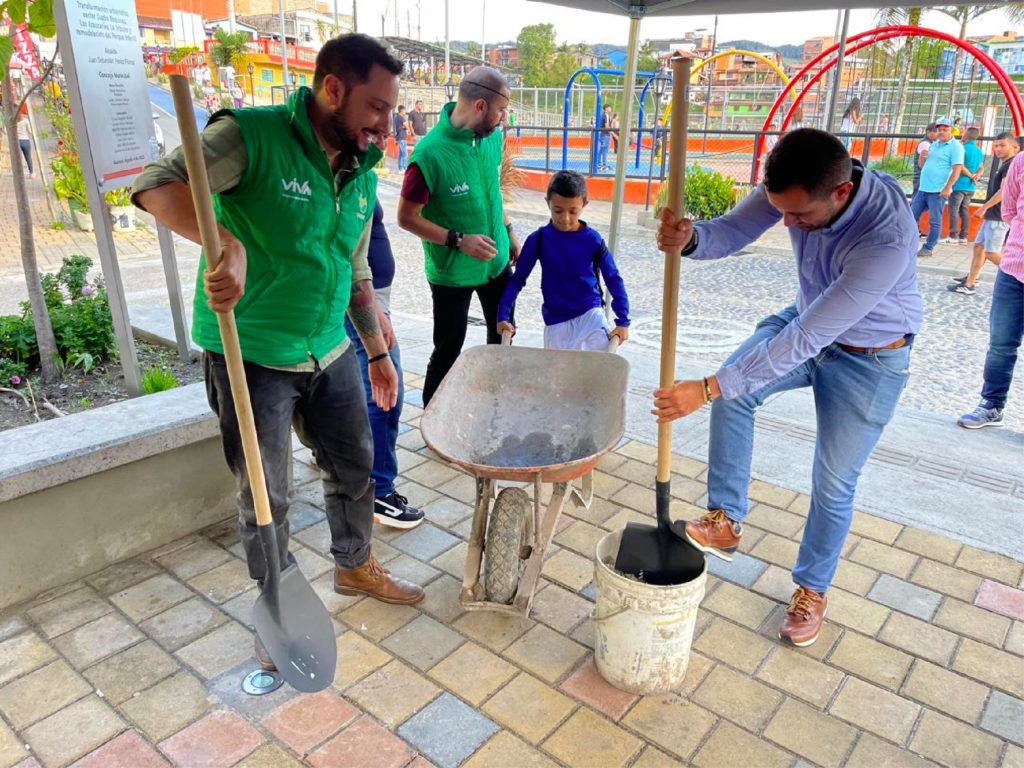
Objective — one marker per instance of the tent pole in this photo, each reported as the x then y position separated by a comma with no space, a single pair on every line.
627,120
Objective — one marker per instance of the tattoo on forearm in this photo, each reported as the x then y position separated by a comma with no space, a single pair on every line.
365,320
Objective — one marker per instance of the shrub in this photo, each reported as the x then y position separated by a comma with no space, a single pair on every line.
79,313
707,194
158,380
12,373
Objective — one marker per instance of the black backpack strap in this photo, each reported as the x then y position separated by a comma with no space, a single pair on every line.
598,253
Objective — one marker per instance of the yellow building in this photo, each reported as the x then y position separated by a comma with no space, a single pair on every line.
264,57
155,34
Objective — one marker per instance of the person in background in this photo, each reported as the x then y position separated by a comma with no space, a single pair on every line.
25,140
931,133
237,95
418,121
940,164
884,124
851,119
451,200
1006,318
957,128
963,188
604,138
400,131
988,243
615,133
390,508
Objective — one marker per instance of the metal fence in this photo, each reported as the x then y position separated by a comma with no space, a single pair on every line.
730,153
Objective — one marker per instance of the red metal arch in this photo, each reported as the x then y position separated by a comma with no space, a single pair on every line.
1013,97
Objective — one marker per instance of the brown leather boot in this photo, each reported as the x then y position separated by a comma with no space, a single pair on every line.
263,657
373,579
715,534
804,617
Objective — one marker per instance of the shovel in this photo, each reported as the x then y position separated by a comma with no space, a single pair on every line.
661,554
290,620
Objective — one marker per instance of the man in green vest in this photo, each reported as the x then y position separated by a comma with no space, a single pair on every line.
294,195
451,199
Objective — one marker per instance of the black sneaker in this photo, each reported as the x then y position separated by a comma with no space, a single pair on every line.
962,280
394,511
964,288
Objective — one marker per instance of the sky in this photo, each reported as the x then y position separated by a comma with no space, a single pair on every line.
502,20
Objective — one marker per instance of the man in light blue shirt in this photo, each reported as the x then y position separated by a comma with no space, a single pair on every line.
847,336
940,167
963,188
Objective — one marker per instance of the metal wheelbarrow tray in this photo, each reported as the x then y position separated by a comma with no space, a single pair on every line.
523,415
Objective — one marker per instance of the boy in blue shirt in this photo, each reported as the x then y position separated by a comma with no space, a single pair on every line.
571,254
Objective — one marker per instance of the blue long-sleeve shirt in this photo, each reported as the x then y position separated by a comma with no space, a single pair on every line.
567,284
858,277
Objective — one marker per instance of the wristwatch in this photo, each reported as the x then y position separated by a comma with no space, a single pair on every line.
454,240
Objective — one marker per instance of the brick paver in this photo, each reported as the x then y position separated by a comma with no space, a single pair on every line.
921,660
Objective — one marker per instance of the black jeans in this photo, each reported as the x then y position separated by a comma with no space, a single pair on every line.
959,213
451,313
328,410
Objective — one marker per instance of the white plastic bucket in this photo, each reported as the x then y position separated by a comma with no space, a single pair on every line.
643,632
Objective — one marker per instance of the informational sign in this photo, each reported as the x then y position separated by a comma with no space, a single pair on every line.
106,52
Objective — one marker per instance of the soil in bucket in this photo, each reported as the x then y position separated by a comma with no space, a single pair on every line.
643,632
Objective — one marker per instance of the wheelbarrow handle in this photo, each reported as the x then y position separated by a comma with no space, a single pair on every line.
506,339
613,344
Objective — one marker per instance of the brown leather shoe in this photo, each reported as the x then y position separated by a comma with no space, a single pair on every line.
373,579
804,617
715,534
263,657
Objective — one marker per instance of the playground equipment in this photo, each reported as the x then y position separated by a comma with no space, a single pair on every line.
597,115
1014,100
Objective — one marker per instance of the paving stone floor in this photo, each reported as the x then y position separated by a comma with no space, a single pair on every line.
921,661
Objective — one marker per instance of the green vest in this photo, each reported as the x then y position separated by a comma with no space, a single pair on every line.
299,233
463,174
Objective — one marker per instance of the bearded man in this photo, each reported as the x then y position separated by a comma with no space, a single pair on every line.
847,336
294,197
451,200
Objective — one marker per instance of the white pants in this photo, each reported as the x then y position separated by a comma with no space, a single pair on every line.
588,332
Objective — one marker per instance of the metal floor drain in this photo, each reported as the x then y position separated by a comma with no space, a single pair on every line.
261,681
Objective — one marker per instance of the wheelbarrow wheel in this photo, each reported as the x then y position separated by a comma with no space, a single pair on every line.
507,544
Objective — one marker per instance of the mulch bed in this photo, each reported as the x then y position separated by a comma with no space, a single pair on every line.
104,384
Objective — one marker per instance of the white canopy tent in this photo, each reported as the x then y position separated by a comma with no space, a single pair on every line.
638,9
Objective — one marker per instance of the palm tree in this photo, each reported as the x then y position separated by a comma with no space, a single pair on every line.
230,49
965,14
889,17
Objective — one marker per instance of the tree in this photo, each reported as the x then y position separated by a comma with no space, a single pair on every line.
565,64
229,49
536,44
39,15
965,14
889,17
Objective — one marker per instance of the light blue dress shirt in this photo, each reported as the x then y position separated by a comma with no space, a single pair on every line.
858,277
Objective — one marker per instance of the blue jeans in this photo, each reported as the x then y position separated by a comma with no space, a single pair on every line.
934,204
603,145
855,396
1005,328
403,151
383,424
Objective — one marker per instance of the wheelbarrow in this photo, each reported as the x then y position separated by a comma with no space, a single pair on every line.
523,415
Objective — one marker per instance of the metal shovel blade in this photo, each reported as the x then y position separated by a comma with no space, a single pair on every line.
660,554
657,556
294,625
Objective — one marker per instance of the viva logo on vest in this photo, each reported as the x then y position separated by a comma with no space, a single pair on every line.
363,204
296,191
459,189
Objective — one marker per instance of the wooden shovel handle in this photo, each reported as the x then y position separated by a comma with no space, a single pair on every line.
670,299
199,183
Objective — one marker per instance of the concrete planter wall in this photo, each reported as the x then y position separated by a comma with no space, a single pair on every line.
84,491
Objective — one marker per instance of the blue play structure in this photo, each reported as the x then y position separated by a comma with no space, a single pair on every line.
597,116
